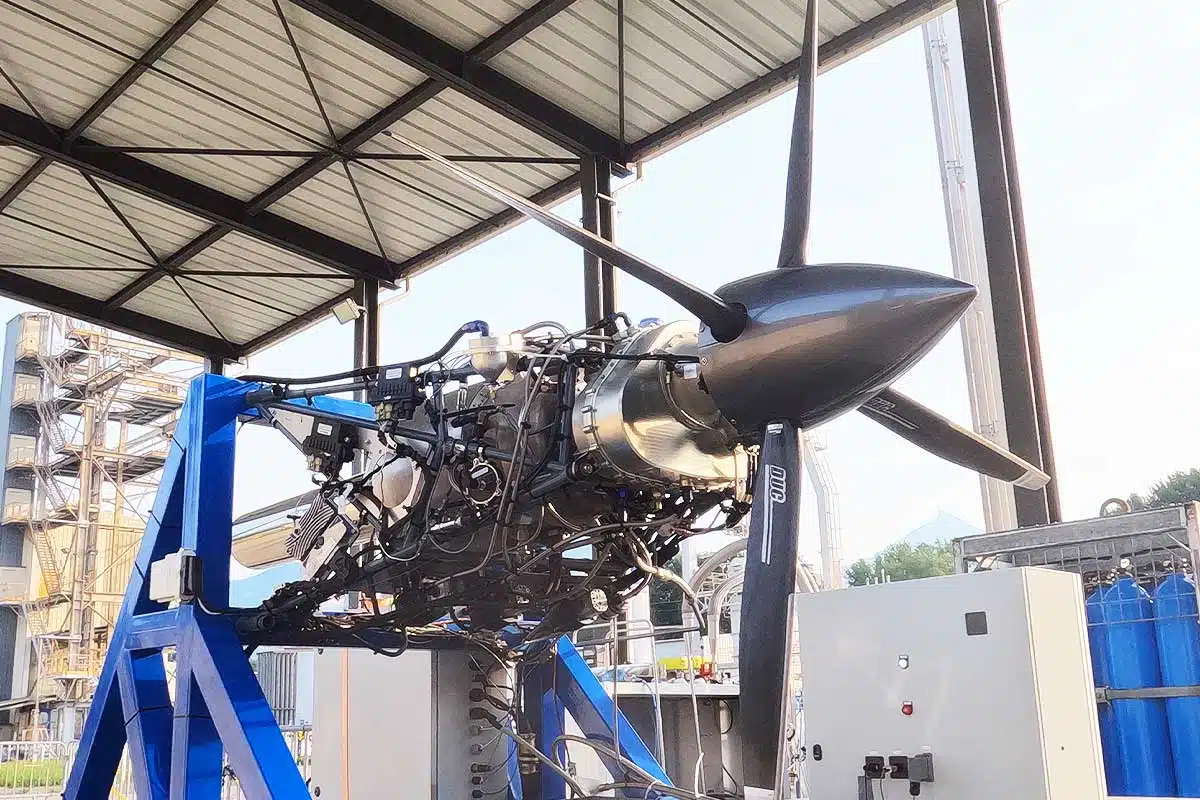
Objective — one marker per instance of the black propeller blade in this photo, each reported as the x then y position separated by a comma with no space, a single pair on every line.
725,320
934,433
770,577
797,204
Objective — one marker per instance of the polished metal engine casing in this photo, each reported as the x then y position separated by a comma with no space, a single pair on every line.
650,422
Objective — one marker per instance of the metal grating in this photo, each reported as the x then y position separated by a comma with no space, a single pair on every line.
222,167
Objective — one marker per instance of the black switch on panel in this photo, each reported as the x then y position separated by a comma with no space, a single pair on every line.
920,768
874,767
898,767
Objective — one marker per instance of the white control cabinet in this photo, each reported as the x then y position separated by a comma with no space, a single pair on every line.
988,673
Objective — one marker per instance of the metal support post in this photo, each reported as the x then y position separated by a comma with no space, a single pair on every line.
360,326
1001,212
607,208
593,284
214,365
1041,404
370,317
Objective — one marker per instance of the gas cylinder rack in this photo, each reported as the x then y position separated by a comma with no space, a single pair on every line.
1138,573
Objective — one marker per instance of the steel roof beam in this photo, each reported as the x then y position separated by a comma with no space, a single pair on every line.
183,193
127,79
509,34
412,44
55,298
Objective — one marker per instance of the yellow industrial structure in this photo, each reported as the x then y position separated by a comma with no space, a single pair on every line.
92,414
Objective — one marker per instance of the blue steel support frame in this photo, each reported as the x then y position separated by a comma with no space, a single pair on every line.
176,749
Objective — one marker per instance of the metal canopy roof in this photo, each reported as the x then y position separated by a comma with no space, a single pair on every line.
218,174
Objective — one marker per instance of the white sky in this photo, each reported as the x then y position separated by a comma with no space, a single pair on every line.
1106,117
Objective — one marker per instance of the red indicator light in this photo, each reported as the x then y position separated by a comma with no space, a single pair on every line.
907,708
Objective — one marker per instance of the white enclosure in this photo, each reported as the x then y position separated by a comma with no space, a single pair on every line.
987,673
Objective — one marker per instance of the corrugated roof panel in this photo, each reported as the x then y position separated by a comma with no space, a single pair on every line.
582,80
679,56
431,189
13,163
462,24
408,217
62,200
326,203
166,229
353,81
128,27
241,51
240,315
453,124
242,304
236,251
99,284
196,304
670,64
60,73
163,300
29,241
158,111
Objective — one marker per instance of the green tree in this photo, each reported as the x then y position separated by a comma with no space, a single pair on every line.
1175,489
666,598
901,562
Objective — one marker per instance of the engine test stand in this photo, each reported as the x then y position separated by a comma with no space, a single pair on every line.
177,749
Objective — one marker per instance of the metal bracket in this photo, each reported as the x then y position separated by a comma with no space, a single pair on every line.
1107,695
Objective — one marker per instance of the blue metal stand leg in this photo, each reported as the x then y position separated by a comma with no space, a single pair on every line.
176,751
147,706
196,755
567,683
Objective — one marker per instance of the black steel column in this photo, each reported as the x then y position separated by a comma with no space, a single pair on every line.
1001,212
214,365
607,211
360,324
593,284
370,304
1033,341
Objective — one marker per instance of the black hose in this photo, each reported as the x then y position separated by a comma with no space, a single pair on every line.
361,372
474,326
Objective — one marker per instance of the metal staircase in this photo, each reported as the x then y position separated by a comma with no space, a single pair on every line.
49,420
44,548
35,628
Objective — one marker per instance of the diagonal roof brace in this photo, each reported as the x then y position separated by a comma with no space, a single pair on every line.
183,193
466,73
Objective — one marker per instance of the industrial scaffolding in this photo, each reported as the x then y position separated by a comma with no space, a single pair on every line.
104,407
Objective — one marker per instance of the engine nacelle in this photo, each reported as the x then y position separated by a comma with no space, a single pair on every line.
651,422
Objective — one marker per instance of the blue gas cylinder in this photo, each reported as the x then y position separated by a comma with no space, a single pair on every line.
1098,644
1142,730
1178,629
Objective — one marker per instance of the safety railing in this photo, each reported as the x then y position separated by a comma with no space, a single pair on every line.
38,770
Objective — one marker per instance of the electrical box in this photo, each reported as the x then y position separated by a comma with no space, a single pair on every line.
405,728
967,687
166,576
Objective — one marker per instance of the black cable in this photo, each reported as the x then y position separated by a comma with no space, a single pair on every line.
474,326
361,372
